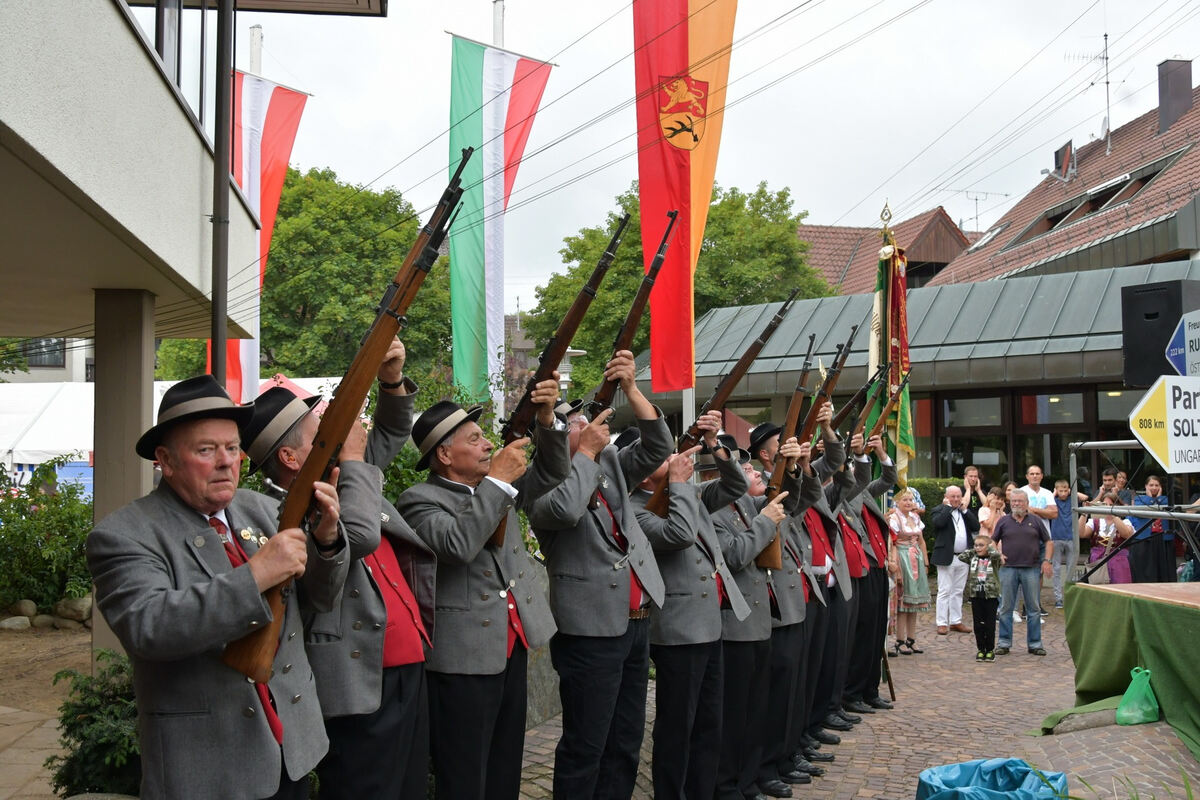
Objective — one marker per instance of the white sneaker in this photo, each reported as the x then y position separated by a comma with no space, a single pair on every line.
1017,617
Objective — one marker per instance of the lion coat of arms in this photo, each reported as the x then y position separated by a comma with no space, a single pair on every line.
683,101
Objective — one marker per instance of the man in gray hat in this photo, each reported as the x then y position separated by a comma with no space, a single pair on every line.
603,581
685,634
368,653
490,608
179,573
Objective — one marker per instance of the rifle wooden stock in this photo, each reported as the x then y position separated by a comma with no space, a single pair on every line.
659,501
608,389
881,423
854,404
864,415
521,420
771,556
254,654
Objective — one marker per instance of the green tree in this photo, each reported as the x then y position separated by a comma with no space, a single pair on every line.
336,247
177,359
750,254
12,358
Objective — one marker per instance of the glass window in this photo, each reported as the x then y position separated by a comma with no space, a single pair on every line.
45,352
1048,451
989,453
1115,405
1059,408
921,466
972,412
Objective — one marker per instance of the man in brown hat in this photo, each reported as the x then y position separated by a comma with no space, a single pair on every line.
490,609
179,573
368,653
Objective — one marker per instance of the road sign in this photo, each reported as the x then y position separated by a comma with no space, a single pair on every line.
1183,350
1167,423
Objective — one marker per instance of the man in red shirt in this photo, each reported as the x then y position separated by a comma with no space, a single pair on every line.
368,653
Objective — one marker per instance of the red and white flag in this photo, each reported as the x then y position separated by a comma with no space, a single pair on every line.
265,119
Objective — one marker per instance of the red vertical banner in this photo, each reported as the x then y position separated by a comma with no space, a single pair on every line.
266,117
681,67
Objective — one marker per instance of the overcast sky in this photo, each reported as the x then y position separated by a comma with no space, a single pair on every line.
847,102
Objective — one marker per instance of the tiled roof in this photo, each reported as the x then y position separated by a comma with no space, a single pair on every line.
1092,241
847,256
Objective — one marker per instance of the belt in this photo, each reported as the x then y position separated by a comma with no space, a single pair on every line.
640,613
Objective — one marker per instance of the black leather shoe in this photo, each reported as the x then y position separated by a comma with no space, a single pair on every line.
858,707
853,719
758,796
825,737
818,757
880,703
775,788
835,723
807,742
804,765
796,777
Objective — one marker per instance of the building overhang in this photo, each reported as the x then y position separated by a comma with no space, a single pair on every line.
355,8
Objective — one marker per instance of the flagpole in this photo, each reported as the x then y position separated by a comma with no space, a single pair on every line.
222,135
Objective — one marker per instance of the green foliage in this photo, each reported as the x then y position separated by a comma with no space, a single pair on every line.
750,254
11,359
42,533
98,731
334,251
177,359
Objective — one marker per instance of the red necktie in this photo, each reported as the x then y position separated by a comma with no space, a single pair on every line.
237,557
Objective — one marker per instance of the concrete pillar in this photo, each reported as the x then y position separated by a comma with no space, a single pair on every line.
124,397
779,407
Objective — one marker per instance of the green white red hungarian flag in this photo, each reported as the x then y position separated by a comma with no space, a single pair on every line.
681,67
494,95
266,117
889,342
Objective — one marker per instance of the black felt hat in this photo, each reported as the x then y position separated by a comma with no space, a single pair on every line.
195,398
436,423
566,408
276,412
760,434
628,437
727,439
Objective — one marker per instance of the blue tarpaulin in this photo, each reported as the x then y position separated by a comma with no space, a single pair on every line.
990,779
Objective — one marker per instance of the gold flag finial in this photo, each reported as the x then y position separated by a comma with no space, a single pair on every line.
886,216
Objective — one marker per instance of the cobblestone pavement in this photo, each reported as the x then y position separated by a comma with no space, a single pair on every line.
27,739
951,709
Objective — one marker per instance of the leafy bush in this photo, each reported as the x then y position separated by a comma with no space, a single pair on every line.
98,726
43,528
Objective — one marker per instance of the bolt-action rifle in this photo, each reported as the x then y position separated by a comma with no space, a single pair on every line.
659,501
254,654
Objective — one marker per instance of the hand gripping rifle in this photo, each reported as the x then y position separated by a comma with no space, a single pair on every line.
254,654
658,502
772,555
608,389
809,429
521,421
888,407
855,404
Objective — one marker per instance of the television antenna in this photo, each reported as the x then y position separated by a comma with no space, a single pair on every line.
976,197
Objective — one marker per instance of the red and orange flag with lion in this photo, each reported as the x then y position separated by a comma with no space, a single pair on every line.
681,64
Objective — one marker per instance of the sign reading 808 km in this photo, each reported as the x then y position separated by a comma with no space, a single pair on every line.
1167,423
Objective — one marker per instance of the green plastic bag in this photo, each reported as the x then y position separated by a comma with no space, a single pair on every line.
1139,704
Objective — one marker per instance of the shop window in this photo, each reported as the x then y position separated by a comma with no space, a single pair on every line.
1056,408
989,453
1115,405
972,412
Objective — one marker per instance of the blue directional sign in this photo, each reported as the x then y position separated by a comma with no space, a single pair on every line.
1183,349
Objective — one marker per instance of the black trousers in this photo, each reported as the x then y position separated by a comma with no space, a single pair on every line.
743,732
826,674
602,684
689,682
384,753
477,731
817,621
290,789
983,620
846,630
783,667
1152,560
862,680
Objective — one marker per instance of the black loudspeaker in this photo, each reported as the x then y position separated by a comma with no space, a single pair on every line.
1150,313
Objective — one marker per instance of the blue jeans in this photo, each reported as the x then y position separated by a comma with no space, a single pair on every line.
1025,580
